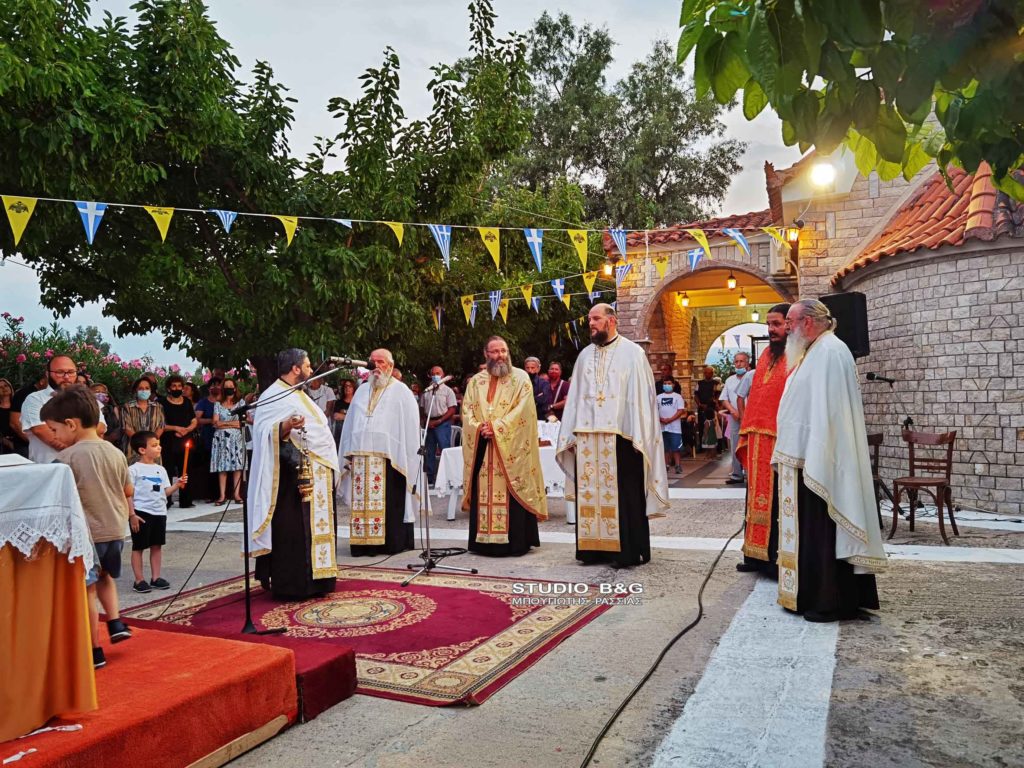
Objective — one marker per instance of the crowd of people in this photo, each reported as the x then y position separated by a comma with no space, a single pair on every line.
794,423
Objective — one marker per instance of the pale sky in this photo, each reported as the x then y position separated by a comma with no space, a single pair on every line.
318,48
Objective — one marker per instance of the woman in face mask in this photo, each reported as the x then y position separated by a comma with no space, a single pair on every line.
111,414
142,414
227,452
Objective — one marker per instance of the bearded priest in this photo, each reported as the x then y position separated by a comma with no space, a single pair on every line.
610,447
829,542
756,444
292,540
501,458
378,454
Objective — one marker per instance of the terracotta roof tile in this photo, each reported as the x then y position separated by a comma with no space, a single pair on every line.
676,233
936,216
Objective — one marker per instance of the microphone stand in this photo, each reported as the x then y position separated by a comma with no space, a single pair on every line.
430,561
240,411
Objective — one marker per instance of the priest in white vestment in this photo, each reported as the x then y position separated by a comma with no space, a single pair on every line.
610,447
829,540
380,465
292,540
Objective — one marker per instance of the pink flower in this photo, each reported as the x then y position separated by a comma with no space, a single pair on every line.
48,353
20,358
114,359
206,377
175,368
5,315
35,355
124,366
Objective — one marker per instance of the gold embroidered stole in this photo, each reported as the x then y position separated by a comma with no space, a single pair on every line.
597,492
761,482
492,501
789,537
369,500
321,523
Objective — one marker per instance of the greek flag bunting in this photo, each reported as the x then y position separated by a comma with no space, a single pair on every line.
535,302
472,316
227,218
535,240
619,236
738,238
343,222
92,215
495,297
443,235
559,287
620,273
694,255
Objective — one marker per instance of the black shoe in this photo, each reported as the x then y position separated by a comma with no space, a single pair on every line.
118,630
142,586
747,567
99,659
160,583
821,617
185,506
733,481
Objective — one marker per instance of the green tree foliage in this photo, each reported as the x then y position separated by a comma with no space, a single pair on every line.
90,336
646,151
897,81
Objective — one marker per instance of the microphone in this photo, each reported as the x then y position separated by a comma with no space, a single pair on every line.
348,361
875,377
445,380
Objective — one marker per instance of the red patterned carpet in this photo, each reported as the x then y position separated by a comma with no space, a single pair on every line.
444,639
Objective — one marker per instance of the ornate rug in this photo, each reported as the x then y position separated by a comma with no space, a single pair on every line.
444,639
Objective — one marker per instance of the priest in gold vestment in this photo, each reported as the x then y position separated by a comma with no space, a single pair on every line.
504,485
610,447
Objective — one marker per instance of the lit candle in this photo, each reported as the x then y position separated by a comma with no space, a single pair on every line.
184,466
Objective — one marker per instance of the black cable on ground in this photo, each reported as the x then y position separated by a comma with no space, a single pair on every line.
665,650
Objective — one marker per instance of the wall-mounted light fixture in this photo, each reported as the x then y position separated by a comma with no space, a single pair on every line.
755,316
608,269
730,281
743,298
684,299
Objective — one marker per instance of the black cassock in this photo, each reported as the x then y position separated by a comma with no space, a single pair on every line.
523,532
399,536
287,571
634,529
827,585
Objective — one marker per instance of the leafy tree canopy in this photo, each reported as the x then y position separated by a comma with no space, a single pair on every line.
871,74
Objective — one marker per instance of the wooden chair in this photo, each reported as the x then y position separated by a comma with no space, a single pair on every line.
936,483
874,443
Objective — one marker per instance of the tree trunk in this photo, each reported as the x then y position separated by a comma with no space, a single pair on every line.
266,369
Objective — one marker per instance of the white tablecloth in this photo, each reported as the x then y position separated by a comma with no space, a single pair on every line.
40,501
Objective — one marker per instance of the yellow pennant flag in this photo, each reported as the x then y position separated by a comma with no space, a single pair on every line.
503,309
700,237
527,294
588,281
399,230
467,306
775,233
492,240
162,217
661,264
19,211
290,223
579,239
435,315
566,299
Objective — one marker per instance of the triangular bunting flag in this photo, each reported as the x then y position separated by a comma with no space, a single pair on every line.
495,297
559,287
399,230
503,309
694,255
343,222
162,217
527,293
290,223
535,239
738,238
615,306
661,264
492,242
227,218
536,304
554,338
619,237
567,300
472,315
467,306
92,215
700,237
579,240
436,316
19,211
443,235
594,296
775,233
588,280
737,337
620,273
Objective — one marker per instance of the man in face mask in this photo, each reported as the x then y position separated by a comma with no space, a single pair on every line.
734,395
541,388
442,404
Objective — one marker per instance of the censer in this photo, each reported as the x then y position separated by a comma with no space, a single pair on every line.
305,479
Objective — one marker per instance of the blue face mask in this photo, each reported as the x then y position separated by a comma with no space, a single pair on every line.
666,387
435,378
142,394
740,371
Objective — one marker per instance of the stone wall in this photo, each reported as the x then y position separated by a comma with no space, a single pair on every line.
949,327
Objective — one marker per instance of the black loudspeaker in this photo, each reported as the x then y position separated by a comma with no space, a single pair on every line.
851,313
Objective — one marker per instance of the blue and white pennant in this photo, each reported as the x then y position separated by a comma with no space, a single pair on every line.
227,218
92,215
495,297
443,235
535,240
738,238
